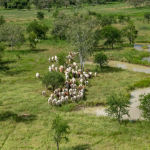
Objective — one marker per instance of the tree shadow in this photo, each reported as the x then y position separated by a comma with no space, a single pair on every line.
23,52
25,118
80,147
107,69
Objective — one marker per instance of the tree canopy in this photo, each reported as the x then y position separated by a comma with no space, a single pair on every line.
112,35
53,78
61,129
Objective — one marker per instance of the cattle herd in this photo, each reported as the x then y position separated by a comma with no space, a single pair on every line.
74,86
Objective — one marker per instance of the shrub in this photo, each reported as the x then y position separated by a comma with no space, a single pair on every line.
40,15
145,106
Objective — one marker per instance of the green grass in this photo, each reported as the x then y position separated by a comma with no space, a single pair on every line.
128,54
26,117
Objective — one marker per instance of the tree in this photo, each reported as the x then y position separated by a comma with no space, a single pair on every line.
107,20
19,6
135,3
147,16
13,34
82,38
2,20
39,29
101,59
53,78
121,18
40,15
32,39
66,3
61,129
61,58
145,106
112,34
118,105
2,48
130,32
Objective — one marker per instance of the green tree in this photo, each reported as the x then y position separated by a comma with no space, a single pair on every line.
28,7
130,32
53,78
145,106
39,29
13,34
112,34
121,18
101,59
61,129
19,6
2,20
135,3
40,15
82,37
32,39
118,105
62,58
107,20
147,16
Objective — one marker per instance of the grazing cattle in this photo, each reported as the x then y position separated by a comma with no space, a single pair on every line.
37,75
95,74
43,93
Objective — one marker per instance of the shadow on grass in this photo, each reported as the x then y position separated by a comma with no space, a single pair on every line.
117,47
108,69
14,72
26,51
80,147
26,118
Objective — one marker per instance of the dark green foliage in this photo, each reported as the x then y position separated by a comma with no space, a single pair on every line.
118,105
112,34
145,106
61,129
32,39
38,29
121,18
5,5
19,6
55,13
40,15
2,20
107,20
147,16
28,7
101,59
130,32
62,58
53,78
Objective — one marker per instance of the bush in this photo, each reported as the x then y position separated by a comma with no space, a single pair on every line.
38,29
55,13
19,6
32,39
54,79
2,20
101,59
28,7
40,15
145,106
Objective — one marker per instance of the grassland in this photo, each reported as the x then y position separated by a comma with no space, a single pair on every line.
20,92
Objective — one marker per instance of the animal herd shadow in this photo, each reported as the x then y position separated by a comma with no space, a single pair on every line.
9,115
80,147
